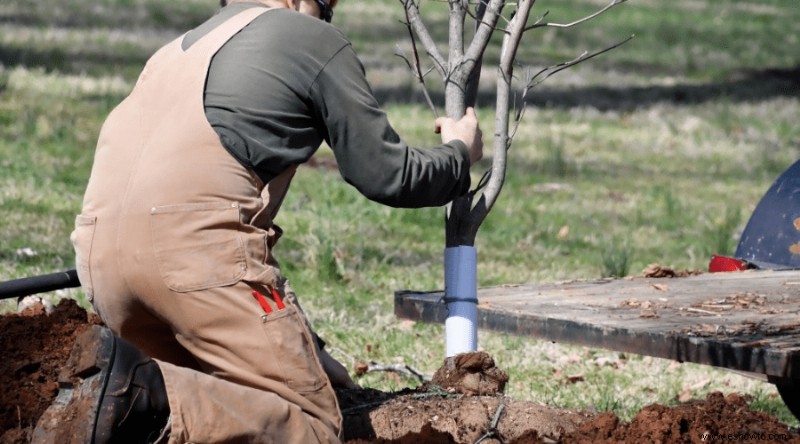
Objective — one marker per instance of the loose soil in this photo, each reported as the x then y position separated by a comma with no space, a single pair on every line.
463,404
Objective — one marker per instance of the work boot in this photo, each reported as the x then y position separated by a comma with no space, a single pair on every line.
110,392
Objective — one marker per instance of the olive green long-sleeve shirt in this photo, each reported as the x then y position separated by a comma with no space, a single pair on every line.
287,81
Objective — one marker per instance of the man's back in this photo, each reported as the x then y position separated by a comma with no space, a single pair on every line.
288,81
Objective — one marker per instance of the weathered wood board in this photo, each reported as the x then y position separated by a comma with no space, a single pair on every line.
747,321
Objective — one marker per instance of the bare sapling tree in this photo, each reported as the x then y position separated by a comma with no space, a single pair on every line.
460,73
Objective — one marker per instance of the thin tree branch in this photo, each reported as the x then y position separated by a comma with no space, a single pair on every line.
402,369
415,67
480,11
551,70
554,69
492,430
538,24
414,19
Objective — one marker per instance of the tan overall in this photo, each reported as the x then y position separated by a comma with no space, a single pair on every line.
173,238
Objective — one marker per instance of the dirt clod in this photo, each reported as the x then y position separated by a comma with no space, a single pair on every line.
471,374
663,271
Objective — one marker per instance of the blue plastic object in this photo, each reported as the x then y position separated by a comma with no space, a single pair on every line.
771,239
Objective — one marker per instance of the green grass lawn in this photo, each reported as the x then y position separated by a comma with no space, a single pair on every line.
656,152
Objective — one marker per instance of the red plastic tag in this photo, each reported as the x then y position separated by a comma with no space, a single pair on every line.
262,301
724,263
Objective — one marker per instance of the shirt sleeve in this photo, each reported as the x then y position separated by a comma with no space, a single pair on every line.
371,155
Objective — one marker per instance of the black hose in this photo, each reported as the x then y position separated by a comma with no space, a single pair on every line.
39,284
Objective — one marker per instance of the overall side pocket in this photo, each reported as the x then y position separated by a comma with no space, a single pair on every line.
82,238
294,359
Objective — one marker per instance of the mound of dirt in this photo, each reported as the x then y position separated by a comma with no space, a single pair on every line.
717,418
463,404
440,417
34,346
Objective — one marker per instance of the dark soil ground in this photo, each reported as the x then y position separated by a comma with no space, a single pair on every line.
34,345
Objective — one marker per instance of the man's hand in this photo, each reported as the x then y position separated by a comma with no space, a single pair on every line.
466,130
336,372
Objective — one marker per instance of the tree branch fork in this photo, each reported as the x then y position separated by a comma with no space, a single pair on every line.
460,74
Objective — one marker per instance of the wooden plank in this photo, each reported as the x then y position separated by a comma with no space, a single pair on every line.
747,321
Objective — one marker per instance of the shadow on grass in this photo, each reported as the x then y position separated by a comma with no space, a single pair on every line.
69,62
146,15
753,85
